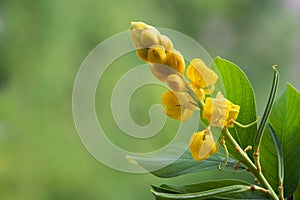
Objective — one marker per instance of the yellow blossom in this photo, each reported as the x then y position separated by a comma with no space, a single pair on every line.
202,78
220,111
202,145
178,105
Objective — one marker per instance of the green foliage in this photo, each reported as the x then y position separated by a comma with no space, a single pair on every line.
221,189
285,120
184,164
280,147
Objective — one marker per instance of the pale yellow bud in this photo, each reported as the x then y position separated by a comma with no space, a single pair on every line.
165,42
176,83
149,37
156,54
143,35
136,29
161,72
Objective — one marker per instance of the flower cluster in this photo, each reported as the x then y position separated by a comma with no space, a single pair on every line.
184,96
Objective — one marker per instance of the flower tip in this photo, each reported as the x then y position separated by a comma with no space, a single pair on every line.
138,25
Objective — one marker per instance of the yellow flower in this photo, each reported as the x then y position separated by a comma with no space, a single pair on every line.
202,145
220,111
202,78
178,105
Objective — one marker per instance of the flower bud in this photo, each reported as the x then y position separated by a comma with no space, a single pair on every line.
176,83
156,54
165,42
176,61
149,37
161,72
143,35
136,28
142,53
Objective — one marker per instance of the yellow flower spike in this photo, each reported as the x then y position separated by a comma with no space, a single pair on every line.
201,77
156,54
154,47
176,61
176,83
220,111
178,106
202,145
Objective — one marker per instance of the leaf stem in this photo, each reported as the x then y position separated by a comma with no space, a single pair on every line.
243,157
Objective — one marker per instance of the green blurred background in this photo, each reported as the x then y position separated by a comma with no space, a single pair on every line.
42,44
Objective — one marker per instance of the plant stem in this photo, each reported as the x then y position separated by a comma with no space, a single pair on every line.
248,163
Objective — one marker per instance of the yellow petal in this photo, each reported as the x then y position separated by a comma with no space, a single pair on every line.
199,92
174,107
202,145
200,75
233,114
138,25
220,111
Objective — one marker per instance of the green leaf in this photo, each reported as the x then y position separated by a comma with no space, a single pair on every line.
297,192
285,120
279,154
184,164
239,91
225,189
